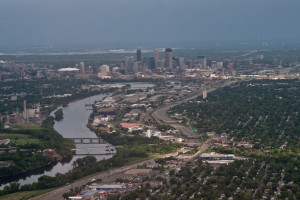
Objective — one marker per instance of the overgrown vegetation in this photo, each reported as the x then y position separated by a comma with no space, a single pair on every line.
29,144
59,114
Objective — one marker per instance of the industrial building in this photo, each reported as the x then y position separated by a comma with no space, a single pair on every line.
107,187
216,156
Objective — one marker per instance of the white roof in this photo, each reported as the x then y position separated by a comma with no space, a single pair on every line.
69,69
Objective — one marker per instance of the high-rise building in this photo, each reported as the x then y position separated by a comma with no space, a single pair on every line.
213,64
175,61
219,64
135,67
139,55
122,65
202,60
225,64
230,66
235,64
82,68
156,55
275,62
159,64
104,68
168,58
208,62
181,61
151,63
22,74
128,64
189,63
25,110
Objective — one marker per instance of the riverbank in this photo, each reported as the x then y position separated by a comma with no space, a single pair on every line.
51,168
124,156
29,157
58,192
77,132
40,194
33,170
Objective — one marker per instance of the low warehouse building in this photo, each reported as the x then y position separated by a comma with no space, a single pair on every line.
216,156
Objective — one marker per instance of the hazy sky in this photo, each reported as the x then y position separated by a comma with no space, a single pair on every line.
41,22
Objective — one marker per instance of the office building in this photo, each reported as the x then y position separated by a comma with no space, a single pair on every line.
208,62
159,64
22,74
168,58
219,64
189,64
139,55
213,64
128,64
104,68
181,61
156,55
151,63
82,68
136,67
202,60
25,109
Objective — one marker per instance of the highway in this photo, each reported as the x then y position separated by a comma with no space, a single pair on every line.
160,114
57,194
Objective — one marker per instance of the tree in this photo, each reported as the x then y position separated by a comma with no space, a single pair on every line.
59,114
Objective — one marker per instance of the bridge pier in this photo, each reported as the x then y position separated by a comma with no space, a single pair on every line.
88,140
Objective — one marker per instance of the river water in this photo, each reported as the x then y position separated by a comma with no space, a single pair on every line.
72,126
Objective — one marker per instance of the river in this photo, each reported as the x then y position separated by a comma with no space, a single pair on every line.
72,126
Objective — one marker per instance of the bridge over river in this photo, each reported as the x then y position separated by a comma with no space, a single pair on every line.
88,140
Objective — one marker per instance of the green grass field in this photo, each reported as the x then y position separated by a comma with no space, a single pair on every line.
24,195
24,126
19,139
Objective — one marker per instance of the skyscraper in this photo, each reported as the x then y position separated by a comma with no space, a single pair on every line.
104,68
202,60
219,64
135,67
139,55
156,55
22,74
25,110
128,64
189,63
168,58
181,61
82,68
151,63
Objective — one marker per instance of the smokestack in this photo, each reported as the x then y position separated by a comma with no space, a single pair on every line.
24,112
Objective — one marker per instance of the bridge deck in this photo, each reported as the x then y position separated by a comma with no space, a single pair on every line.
93,154
88,140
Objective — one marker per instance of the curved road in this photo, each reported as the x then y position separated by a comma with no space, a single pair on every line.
161,115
